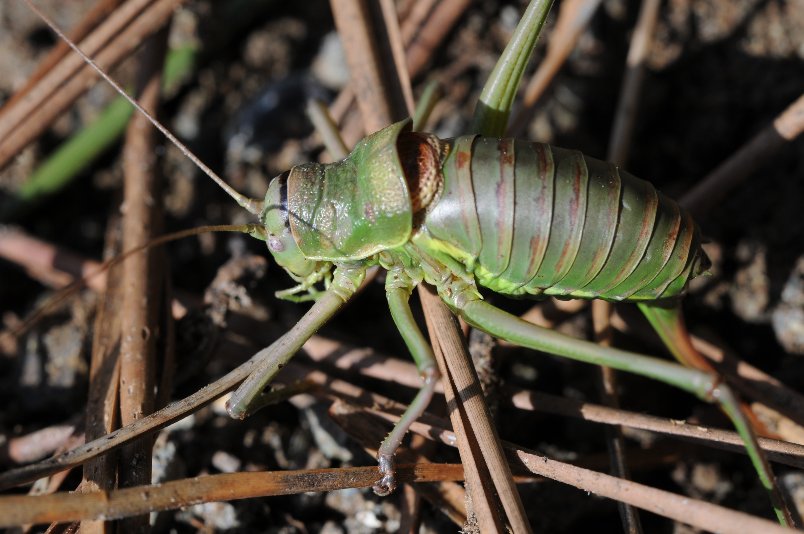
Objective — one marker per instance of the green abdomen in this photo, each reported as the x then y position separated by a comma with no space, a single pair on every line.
527,218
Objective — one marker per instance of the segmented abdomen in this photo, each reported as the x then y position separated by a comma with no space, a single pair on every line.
528,218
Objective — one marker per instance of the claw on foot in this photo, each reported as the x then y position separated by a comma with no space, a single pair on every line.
387,484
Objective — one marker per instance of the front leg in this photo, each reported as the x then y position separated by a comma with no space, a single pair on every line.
248,398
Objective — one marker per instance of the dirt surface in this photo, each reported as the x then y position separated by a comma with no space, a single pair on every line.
719,71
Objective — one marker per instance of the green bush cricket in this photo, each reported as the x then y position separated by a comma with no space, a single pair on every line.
421,207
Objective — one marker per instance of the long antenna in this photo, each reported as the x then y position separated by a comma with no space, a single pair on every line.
252,205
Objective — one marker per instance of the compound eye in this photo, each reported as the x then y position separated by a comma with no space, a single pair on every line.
275,244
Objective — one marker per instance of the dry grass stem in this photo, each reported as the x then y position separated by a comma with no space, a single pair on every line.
423,29
100,11
573,18
445,337
48,263
625,118
142,273
787,126
779,451
62,507
18,128
698,514
39,93
36,445
102,413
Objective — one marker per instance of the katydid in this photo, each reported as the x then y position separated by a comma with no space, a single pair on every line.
472,212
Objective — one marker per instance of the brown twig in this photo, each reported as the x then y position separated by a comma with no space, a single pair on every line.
426,28
699,514
50,264
20,127
379,93
573,18
779,451
601,313
738,167
39,93
90,21
471,418
625,118
18,510
142,273
36,445
422,31
102,416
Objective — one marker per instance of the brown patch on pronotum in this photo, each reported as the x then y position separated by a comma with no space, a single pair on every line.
419,156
